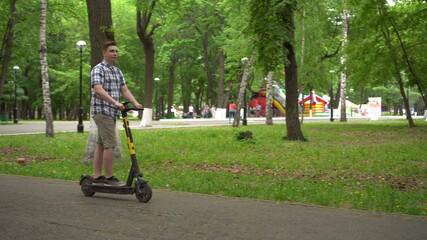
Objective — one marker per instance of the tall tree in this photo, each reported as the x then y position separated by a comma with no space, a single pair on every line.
273,24
171,83
286,13
100,31
221,94
269,102
7,44
144,13
396,62
242,90
100,27
384,62
414,77
44,72
302,63
343,75
236,42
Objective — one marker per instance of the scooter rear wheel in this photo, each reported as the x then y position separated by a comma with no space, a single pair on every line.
143,191
85,189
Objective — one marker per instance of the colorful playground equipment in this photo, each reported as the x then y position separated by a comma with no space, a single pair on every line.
313,105
279,101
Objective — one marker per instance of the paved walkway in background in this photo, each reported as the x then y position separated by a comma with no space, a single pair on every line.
37,208
39,127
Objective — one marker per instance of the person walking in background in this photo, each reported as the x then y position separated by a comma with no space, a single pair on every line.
190,110
206,111
107,83
173,112
258,110
232,108
213,111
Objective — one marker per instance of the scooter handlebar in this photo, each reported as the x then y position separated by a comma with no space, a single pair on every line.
133,108
129,108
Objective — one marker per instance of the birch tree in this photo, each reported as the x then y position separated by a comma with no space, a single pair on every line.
242,90
269,103
44,72
302,62
343,75
7,44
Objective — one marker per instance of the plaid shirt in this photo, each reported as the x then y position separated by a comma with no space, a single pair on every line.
111,79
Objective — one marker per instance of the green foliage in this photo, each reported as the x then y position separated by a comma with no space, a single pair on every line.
270,33
317,25
376,166
373,59
236,28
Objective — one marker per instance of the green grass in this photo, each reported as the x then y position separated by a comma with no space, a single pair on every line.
369,165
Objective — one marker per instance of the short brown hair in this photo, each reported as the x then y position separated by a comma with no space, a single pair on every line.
107,44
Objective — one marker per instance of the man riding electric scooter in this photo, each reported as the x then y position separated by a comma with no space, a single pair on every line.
107,83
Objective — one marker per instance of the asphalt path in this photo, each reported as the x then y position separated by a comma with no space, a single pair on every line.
37,208
39,127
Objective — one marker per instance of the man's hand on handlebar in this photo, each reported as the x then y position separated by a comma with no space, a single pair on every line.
139,106
125,107
120,106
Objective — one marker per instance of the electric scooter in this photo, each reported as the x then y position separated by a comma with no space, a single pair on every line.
140,188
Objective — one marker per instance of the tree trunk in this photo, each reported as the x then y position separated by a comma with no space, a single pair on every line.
337,97
415,77
149,81
143,17
343,87
44,72
209,69
387,38
100,27
171,84
221,100
8,39
302,63
405,98
242,90
269,102
100,31
185,91
293,126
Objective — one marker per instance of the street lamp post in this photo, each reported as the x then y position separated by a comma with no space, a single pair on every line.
81,45
15,109
10,100
351,108
157,97
331,98
245,121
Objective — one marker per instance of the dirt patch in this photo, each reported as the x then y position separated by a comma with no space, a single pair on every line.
399,183
7,151
10,154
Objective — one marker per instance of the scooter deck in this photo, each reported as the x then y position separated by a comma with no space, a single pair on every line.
107,189
141,189
104,189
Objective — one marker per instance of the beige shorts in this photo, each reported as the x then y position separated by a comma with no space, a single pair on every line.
106,130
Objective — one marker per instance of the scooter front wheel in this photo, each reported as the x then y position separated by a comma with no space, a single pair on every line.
143,191
84,187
